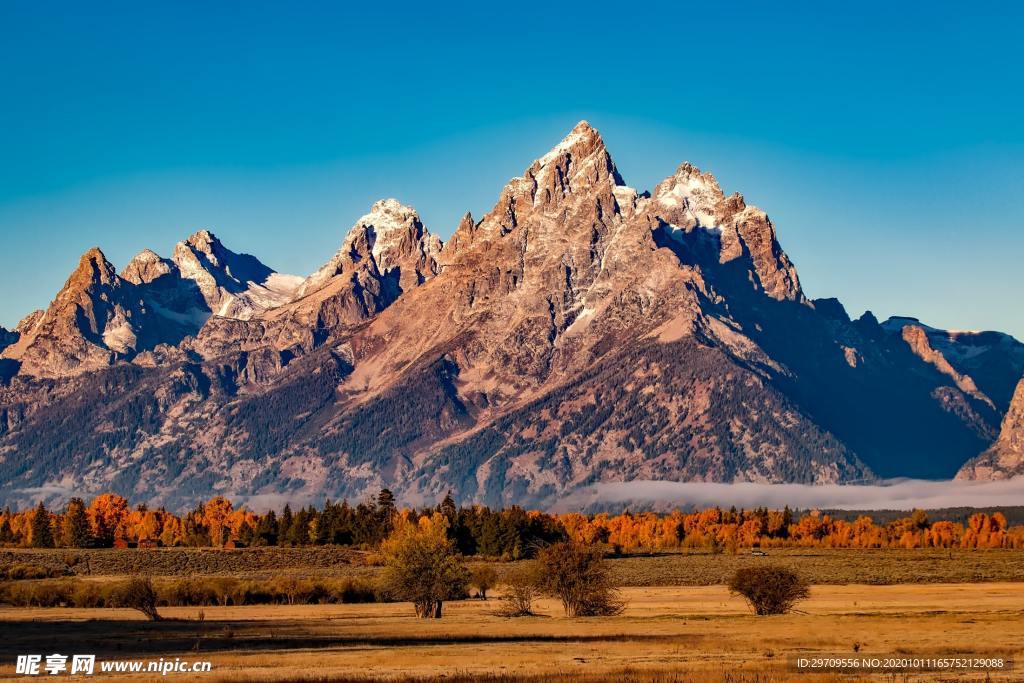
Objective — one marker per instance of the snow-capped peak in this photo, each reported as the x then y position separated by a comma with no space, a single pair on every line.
203,240
697,193
390,235
144,267
583,132
233,285
386,223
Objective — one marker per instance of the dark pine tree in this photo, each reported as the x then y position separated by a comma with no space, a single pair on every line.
75,531
386,509
448,508
42,533
266,529
284,525
6,534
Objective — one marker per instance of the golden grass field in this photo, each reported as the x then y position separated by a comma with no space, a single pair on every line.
675,633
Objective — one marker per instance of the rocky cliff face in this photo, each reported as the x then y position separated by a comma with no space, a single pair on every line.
386,253
691,201
7,337
579,332
1005,459
231,285
93,319
991,360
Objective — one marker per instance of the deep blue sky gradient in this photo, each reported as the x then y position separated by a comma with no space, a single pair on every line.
884,141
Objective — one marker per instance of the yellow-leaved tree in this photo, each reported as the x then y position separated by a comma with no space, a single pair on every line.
422,566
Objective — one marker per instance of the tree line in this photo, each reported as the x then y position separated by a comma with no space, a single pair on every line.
108,520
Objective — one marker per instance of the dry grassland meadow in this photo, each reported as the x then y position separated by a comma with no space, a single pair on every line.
680,622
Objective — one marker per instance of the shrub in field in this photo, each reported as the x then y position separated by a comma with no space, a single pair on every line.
37,593
577,575
349,591
228,591
200,592
188,593
769,589
520,592
483,578
289,590
90,594
18,571
421,565
139,594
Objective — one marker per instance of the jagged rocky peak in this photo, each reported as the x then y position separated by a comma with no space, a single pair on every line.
199,252
578,165
145,267
394,232
390,240
832,308
691,200
1005,459
93,269
463,235
565,206
205,241
232,285
581,156
88,321
89,284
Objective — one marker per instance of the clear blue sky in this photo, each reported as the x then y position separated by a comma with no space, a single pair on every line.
885,139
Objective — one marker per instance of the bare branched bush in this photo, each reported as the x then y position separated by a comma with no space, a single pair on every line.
519,593
769,589
139,594
577,575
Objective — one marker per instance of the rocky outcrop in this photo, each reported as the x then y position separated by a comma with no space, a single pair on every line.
917,339
7,337
990,361
1005,459
147,267
386,253
386,248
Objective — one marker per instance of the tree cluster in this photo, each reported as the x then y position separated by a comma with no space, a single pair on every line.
509,534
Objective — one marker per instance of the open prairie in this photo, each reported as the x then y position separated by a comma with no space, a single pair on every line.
683,633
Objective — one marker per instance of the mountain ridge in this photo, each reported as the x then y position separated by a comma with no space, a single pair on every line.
580,331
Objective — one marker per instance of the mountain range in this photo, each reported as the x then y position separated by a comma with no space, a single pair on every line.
580,332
